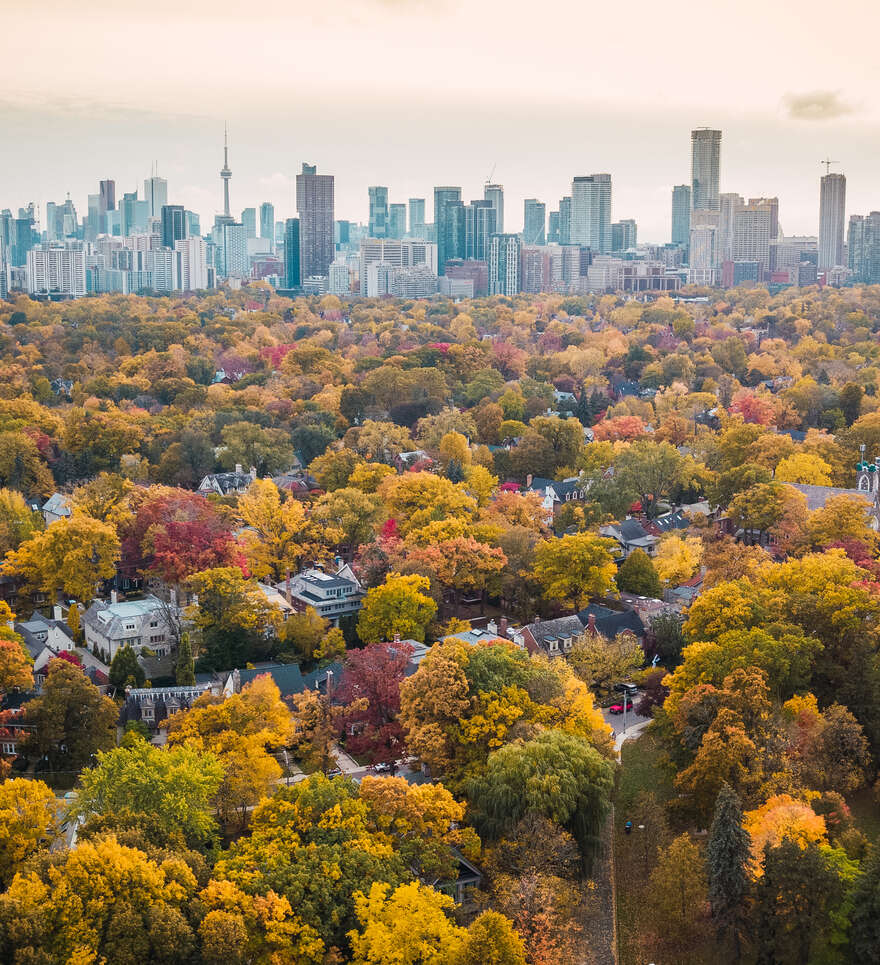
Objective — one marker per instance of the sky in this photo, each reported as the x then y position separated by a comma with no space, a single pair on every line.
412,94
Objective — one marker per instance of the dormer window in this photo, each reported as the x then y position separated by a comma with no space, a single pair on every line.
553,644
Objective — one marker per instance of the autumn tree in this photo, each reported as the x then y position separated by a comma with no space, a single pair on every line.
677,558
401,605
677,895
18,523
491,940
574,568
462,564
15,659
372,676
651,471
351,513
125,669
29,820
71,556
603,664
418,498
71,720
105,498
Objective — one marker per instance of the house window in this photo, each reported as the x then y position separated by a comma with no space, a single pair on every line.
154,624
566,644
128,627
158,638
554,646
148,713
9,748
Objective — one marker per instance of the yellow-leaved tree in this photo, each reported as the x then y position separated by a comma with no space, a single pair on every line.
677,558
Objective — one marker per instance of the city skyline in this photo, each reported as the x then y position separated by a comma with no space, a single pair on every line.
534,114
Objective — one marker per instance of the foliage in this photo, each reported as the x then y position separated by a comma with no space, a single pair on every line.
28,821
400,606
574,568
638,575
125,670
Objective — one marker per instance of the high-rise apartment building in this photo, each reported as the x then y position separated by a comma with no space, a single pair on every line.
479,226
534,269
378,212
249,220
754,226
156,195
681,214
396,220
292,255
394,254
729,203
565,221
235,251
494,193
448,224
193,270
267,224
591,212
705,168
534,222
504,264
863,248
57,270
623,235
701,247
832,207
553,228
315,205
417,217
173,224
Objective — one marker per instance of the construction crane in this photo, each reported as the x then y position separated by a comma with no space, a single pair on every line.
828,162
491,173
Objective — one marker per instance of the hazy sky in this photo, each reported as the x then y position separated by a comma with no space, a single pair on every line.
411,94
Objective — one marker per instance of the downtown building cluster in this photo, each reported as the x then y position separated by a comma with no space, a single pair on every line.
145,244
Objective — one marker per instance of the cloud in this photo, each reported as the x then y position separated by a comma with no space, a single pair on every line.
817,105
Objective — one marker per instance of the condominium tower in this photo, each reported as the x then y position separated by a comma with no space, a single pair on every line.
315,205
705,168
591,212
832,205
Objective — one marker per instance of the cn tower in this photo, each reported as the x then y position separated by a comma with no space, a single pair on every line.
226,174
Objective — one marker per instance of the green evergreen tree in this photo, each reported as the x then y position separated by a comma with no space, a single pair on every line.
637,575
124,666
727,857
184,670
864,934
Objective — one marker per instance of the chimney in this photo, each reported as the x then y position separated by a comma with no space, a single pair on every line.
529,480
238,468
56,613
591,624
397,638
287,589
492,628
114,596
236,682
173,595
502,627
253,472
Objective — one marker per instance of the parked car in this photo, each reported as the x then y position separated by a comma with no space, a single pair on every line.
618,708
383,767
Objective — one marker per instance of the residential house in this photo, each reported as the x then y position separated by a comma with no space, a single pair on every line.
56,507
137,623
297,483
45,639
288,677
554,495
607,622
553,638
474,636
333,595
227,483
630,535
667,523
151,705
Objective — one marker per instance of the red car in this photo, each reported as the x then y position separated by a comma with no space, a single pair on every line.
618,708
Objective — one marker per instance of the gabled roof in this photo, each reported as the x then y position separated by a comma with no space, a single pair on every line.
287,677
630,530
57,503
545,630
611,622
670,522
817,496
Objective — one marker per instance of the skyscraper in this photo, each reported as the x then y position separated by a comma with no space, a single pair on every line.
753,230
267,223
249,220
534,222
705,168
315,204
681,214
730,203
553,228
863,245
565,221
417,217
378,212
173,224
591,212
504,264
107,192
156,195
292,262
495,194
446,224
479,220
832,206
396,220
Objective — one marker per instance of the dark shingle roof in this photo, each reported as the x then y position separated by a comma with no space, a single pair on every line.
611,622
631,529
551,629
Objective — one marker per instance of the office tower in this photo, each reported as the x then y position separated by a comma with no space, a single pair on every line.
504,264
591,212
417,217
863,248
753,229
314,204
623,235
447,225
24,237
342,233
107,193
57,270
267,223
701,246
553,228
832,204
226,175
534,222
565,221
173,224
705,168
92,223
681,214
53,222
378,212
156,195
249,220
495,194
729,204
292,254
396,220
193,225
